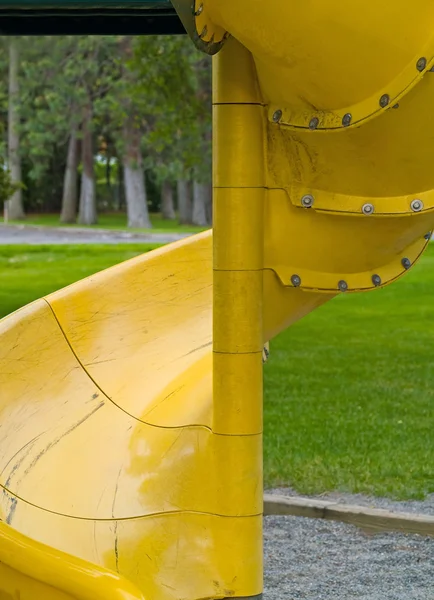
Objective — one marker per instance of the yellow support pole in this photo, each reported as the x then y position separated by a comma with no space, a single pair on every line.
239,190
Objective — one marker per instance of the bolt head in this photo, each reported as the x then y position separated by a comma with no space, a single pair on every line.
428,235
343,285
307,201
384,100
314,122
346,119
367,209
396,105
277,115
203,32
421,64
416,205
406,263
295,280
198,11
376,279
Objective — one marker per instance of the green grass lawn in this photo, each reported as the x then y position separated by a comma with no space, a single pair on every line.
114,221
349,390
349,394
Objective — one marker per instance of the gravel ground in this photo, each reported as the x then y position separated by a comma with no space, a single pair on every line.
316,559
323,560
33,235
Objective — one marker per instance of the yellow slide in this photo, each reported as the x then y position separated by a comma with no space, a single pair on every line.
131,402
107,450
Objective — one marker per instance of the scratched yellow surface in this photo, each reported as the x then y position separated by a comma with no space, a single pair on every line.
131,402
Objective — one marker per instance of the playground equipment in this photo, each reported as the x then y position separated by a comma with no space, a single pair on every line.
131,402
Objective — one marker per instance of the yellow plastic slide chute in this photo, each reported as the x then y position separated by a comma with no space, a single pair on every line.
131,402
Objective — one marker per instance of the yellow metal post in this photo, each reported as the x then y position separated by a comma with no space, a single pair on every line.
239,189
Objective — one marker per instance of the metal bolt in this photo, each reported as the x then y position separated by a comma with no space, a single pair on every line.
368,209
343,285
406,263
421,64
376,279
198,11
204,32
277,115
295,280
416,205
307,201
428,235
396,105
314,122
346,119
384,100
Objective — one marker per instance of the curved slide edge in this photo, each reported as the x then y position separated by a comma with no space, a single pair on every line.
39,571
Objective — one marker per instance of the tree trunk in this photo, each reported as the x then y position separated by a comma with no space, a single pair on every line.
15,203
208,205
69,197
200,199
184,202
87,211
119,188
167,205
134,179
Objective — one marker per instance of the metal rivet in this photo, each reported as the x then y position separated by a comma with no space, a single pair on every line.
368,209
376,279
396,105
428,235
346,119
421,64
406,263
343,285
204,31
314,122
307,200
295,280
277,115
416,205
384,100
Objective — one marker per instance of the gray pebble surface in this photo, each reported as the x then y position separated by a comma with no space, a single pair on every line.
316,559
325,560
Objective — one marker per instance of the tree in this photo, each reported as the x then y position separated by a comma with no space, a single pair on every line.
15,204
64,79
69,198
139,104
202,190
175,79
184,201
134,179
200,201
167,204
87,211
122,112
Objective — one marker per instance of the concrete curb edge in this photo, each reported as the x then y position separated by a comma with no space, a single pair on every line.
369,519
